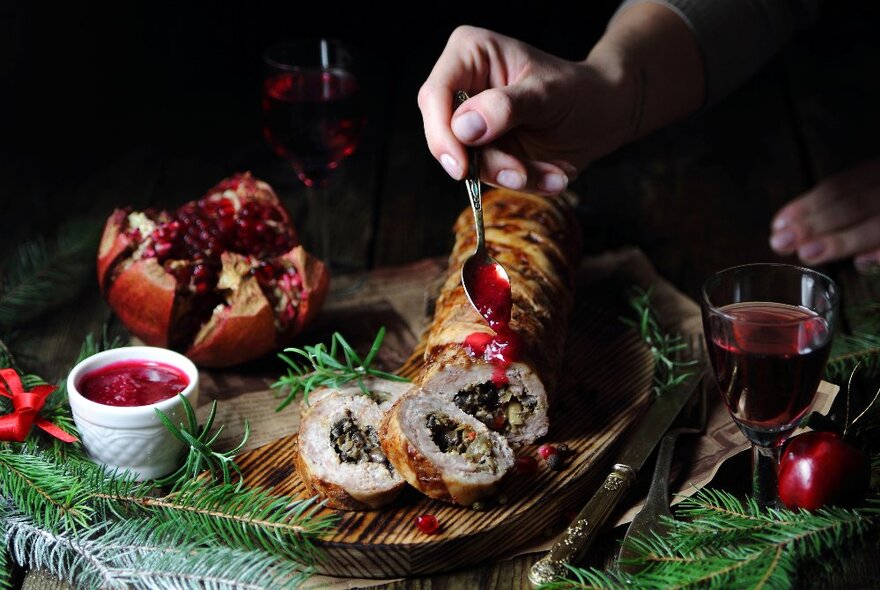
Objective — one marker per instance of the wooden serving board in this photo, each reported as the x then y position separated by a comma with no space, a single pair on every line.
606,384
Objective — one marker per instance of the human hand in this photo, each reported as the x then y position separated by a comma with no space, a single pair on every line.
836,219
539,119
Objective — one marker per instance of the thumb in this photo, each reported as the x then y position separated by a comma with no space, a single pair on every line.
492,113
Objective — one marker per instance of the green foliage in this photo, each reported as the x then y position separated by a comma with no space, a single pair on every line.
666,349
851,350
43,489
143,554
201,456
247,518
40,276
723,542
322,368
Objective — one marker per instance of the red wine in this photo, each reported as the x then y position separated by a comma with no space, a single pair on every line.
313,118
132,383
768,361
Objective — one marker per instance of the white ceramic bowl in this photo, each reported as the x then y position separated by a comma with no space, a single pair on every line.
131,437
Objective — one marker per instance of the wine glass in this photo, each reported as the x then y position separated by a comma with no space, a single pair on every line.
768,329
313,115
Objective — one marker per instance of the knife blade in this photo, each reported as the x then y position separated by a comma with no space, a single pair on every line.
578,538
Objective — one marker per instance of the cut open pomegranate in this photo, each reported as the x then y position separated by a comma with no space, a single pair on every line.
222,279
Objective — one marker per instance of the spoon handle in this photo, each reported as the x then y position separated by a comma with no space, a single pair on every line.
472,183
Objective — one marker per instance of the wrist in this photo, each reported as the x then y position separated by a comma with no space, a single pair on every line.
619,91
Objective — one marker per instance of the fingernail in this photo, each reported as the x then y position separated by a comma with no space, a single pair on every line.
451,166
553,183
781,223
782,241
811,250
469,126
511,179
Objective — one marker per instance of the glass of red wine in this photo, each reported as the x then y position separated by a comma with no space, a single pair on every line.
313,115
769,329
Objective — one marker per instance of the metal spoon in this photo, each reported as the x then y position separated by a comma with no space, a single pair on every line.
480,265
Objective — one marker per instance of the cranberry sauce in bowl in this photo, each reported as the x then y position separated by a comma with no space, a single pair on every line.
114,397
136,382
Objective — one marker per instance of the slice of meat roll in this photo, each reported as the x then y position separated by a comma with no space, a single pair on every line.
504,380
441,451
338,453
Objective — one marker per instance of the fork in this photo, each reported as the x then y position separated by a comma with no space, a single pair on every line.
648,520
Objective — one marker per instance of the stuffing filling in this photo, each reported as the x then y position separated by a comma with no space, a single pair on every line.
356,445
455,438
499,408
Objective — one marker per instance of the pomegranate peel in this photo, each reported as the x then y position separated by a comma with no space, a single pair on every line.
222,278
151,290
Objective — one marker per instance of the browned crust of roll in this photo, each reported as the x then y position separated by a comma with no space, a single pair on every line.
538,241
424,475
335,496
415,468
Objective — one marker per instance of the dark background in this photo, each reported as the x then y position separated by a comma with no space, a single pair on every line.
144,103
82,84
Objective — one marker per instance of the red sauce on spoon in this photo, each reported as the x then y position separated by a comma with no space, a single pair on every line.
490,292
133,383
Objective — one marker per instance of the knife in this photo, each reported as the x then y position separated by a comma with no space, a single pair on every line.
575,542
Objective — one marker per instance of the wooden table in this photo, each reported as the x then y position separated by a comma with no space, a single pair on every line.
154,107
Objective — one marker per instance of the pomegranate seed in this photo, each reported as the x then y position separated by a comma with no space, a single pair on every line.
264,272
546,450
427,523
162,250
498,422
526,465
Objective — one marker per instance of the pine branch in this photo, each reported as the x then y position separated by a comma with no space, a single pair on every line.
850,350
248,518
727,543
5,563
42,489
142,554
323,368
40,277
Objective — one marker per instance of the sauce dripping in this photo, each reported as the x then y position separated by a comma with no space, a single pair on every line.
491,296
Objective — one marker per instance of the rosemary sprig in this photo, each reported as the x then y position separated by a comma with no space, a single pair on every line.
665,347
200,455
323,368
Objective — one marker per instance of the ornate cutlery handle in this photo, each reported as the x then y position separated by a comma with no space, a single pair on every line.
577,539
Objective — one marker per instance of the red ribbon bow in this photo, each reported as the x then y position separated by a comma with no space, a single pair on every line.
27,404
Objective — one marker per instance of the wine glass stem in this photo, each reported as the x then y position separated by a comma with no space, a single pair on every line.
320,219
765,465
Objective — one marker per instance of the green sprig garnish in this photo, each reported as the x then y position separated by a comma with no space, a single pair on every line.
324,368
665,347
201,456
